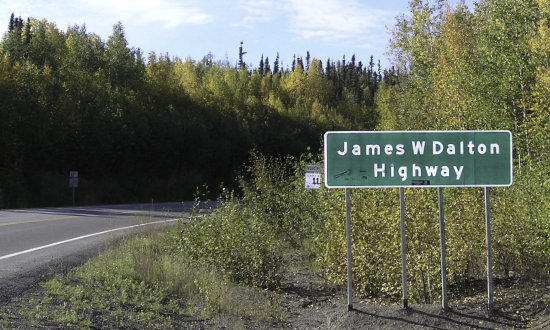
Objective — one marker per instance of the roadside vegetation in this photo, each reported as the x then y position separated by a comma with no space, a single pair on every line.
227,263
145,283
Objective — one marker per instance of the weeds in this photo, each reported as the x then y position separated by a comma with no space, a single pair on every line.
143,283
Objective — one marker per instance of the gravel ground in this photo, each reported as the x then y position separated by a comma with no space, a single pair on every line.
312,304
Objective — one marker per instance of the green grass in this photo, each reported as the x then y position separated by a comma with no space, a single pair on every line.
145,283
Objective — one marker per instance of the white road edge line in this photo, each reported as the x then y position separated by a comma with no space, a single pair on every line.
83,237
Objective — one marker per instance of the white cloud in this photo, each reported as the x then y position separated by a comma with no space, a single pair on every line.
257,11
332,20
165,13
323,20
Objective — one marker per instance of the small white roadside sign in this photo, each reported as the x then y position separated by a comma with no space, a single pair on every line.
73,179
313,177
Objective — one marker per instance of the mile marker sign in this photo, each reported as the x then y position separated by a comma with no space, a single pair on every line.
313,177
418,158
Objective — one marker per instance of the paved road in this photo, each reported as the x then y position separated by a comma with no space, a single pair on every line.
37,242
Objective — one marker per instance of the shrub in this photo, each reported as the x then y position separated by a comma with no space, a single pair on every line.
246,237
234,240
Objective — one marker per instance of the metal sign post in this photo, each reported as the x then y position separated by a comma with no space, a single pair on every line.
403,248
489,253
444,302
348,246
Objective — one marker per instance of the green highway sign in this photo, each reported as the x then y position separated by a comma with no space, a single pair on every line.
418,158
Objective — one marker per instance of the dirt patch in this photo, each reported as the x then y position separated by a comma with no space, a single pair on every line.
312,303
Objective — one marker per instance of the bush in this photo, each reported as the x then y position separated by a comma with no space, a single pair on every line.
246,237
234,240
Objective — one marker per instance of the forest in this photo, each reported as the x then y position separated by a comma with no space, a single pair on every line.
140,127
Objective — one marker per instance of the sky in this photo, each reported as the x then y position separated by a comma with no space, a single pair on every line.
195,28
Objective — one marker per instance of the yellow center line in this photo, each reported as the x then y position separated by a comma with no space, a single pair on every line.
35,220
64,218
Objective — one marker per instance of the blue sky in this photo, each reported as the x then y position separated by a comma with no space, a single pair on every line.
194,28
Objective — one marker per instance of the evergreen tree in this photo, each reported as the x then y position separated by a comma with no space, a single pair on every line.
370,72
267,68
300,62
11,25
14,45
276,64
242,65
19,23
27,33
261,65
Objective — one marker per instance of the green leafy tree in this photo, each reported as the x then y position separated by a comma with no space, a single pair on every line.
454,75
412,47
509,67
539,123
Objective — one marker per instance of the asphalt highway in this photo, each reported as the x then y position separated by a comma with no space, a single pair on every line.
34,243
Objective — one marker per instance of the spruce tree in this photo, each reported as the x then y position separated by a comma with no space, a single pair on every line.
300,62
241,54
19,23
27,34
276,64
11,25
261,66
267,68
